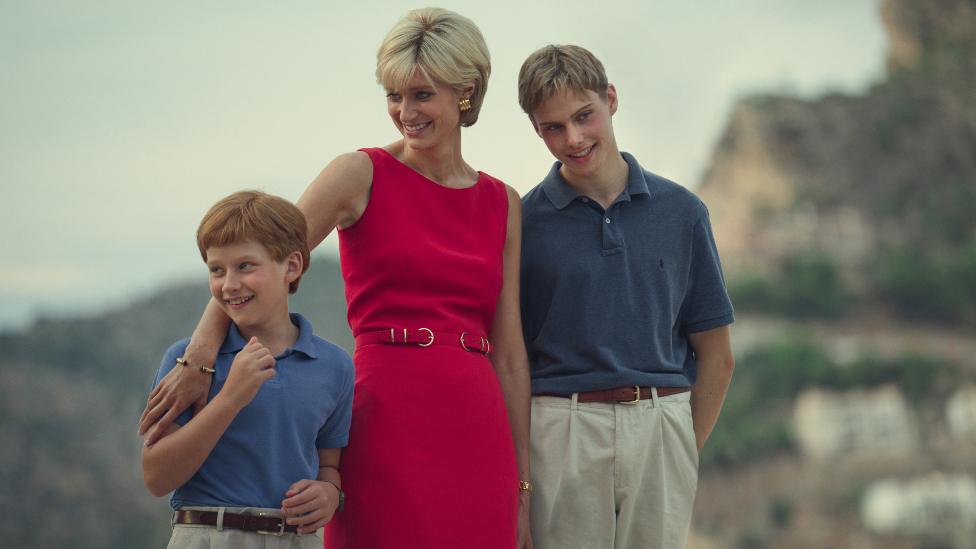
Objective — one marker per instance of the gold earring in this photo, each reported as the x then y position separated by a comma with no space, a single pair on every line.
464,105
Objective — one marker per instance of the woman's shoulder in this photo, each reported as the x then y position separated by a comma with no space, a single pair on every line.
495,183
357,160
505,198
348,170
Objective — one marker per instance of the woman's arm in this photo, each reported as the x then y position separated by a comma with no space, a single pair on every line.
509,358
186,385
176,457
337,197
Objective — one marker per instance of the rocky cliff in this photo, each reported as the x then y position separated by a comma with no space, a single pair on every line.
879,188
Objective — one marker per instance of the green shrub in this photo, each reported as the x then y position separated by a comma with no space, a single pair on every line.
809,286
781,513
921,284
757,417
754,292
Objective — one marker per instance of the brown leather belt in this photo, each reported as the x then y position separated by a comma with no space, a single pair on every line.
425,337
262,524
627,395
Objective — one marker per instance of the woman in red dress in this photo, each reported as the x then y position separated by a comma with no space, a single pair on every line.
430,257
438,447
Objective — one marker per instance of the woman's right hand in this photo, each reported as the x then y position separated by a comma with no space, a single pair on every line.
182,387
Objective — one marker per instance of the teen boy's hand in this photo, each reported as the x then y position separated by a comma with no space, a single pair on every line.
524,535
252,366
310,504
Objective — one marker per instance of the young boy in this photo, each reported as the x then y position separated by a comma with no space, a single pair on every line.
262,457
626,322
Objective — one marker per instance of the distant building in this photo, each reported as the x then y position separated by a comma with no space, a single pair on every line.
961,413
935,504
854,422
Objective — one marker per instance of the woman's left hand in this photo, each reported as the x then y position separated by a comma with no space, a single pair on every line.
524,535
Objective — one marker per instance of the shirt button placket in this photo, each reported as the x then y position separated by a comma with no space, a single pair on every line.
605,230
611,238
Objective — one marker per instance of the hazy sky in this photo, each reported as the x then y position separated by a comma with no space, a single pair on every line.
121,122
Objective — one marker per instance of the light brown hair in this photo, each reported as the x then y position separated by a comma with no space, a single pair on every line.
443,46
271,221
558,68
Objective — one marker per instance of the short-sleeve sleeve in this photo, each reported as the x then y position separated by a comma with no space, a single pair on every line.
175,351
706,304
335,432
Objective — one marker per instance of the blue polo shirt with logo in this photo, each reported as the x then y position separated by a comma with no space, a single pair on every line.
273,441
610,296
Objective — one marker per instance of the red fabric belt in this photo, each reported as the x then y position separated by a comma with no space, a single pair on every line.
621,394
423,337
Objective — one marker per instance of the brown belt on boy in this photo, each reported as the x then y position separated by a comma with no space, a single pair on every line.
260,523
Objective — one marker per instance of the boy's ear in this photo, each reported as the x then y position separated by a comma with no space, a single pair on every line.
612,99
295,265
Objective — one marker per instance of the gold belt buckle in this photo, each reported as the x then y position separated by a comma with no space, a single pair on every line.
636,396
281,529
406,337
484,347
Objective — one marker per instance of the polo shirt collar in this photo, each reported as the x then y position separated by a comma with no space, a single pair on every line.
636,182
305,343
560,193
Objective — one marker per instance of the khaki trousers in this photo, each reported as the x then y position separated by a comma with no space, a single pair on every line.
612,476
196,536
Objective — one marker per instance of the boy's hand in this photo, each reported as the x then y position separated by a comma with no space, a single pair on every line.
177,391
310,504
252,366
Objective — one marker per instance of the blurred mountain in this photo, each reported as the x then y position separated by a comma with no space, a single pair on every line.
71,391
847,229
850,203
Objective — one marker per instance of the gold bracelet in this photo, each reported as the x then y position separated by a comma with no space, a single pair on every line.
182,362
525,486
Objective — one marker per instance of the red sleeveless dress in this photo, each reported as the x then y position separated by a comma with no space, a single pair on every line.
430,462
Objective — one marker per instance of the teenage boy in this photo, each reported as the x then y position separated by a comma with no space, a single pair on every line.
626,322
262,457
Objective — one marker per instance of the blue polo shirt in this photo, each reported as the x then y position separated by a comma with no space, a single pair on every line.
273,441
610,296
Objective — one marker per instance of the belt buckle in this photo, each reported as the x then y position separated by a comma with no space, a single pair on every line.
281,529
484,347
406,337
636,396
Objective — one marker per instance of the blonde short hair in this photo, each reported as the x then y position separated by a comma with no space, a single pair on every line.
271,221
442,45
559,68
